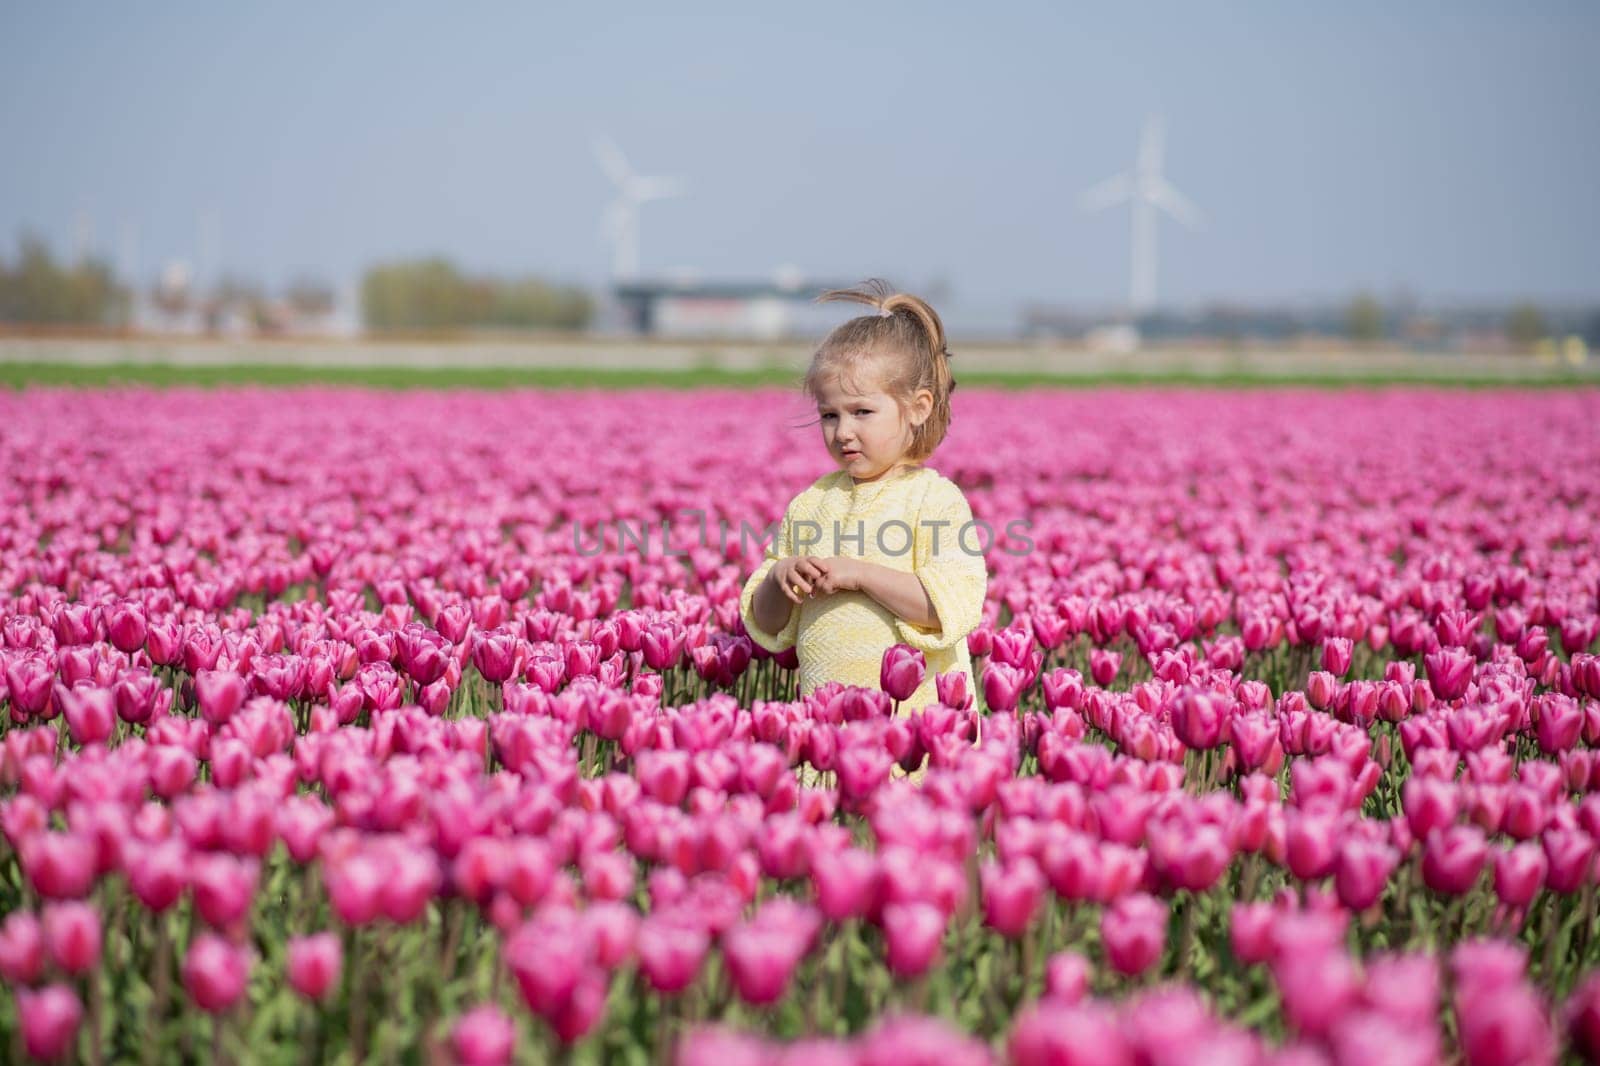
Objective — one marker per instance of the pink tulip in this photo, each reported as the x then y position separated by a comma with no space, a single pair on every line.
1310,843
355,888
215,972
1250,932
72,932
1519,873
861,771
224,887
902,671
91,714
314,964
410,882
1404,987
30,680
761,960
1449,672
1049,1034
846,882
1362,871
1429,804
1570,853
1199,717
125,626
1582,1017
1506,1028
1336,652
954,689
494,653
913,932
670,953
1066,977
1002,686
1452,859
49,1019
483,1036
1133,931
1317,986
1103,665
1011,896
220,694
22,948
58,865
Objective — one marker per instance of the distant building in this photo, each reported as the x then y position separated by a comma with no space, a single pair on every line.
759,310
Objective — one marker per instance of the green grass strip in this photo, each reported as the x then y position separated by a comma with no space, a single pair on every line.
21,374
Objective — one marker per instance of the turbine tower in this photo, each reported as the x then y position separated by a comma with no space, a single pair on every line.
621,221
1146,192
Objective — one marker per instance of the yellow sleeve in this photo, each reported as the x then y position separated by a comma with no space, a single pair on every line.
781,547
956,579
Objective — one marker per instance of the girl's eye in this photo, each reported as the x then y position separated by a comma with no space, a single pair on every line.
864,411
826,417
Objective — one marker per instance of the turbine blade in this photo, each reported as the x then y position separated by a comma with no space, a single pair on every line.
1113,190
1174,203
611,159
657,188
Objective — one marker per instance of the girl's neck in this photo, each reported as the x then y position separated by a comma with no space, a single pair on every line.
898,470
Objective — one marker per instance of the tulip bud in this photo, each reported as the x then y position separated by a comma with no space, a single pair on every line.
49,1020
483,1036
215,972
314,964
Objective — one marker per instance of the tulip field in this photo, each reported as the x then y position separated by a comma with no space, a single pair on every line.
360,726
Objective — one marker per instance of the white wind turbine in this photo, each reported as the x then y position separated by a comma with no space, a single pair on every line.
1146,191
621,221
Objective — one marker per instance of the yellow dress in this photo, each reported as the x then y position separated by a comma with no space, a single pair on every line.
916,521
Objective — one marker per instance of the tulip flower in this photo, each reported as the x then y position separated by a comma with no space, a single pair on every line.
91,714
1452,859
22,948
1002,686
1103,665
1583,1018
215,972
49,1019
314,964
913,932
1133,932
902,671
670,953
761,960
1049,1034
483,1036
1519,873
1066,977
1449,672
220,694
72,932
954,689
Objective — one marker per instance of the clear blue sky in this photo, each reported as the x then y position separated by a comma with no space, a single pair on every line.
1444,146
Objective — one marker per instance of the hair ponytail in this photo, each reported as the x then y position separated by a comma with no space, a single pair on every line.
905,328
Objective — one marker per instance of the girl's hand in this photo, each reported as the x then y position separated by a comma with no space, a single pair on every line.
840,573
797,576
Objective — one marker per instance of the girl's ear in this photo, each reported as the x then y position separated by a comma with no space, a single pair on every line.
921,406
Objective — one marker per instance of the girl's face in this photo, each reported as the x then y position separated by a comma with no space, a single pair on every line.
865,432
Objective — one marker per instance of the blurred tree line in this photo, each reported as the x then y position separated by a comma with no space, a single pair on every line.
431,294
38,290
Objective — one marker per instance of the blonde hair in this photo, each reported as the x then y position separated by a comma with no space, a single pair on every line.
904,343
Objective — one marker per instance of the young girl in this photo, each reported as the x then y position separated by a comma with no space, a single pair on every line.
880,551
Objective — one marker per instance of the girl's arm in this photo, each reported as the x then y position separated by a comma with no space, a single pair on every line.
940,600
900,592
